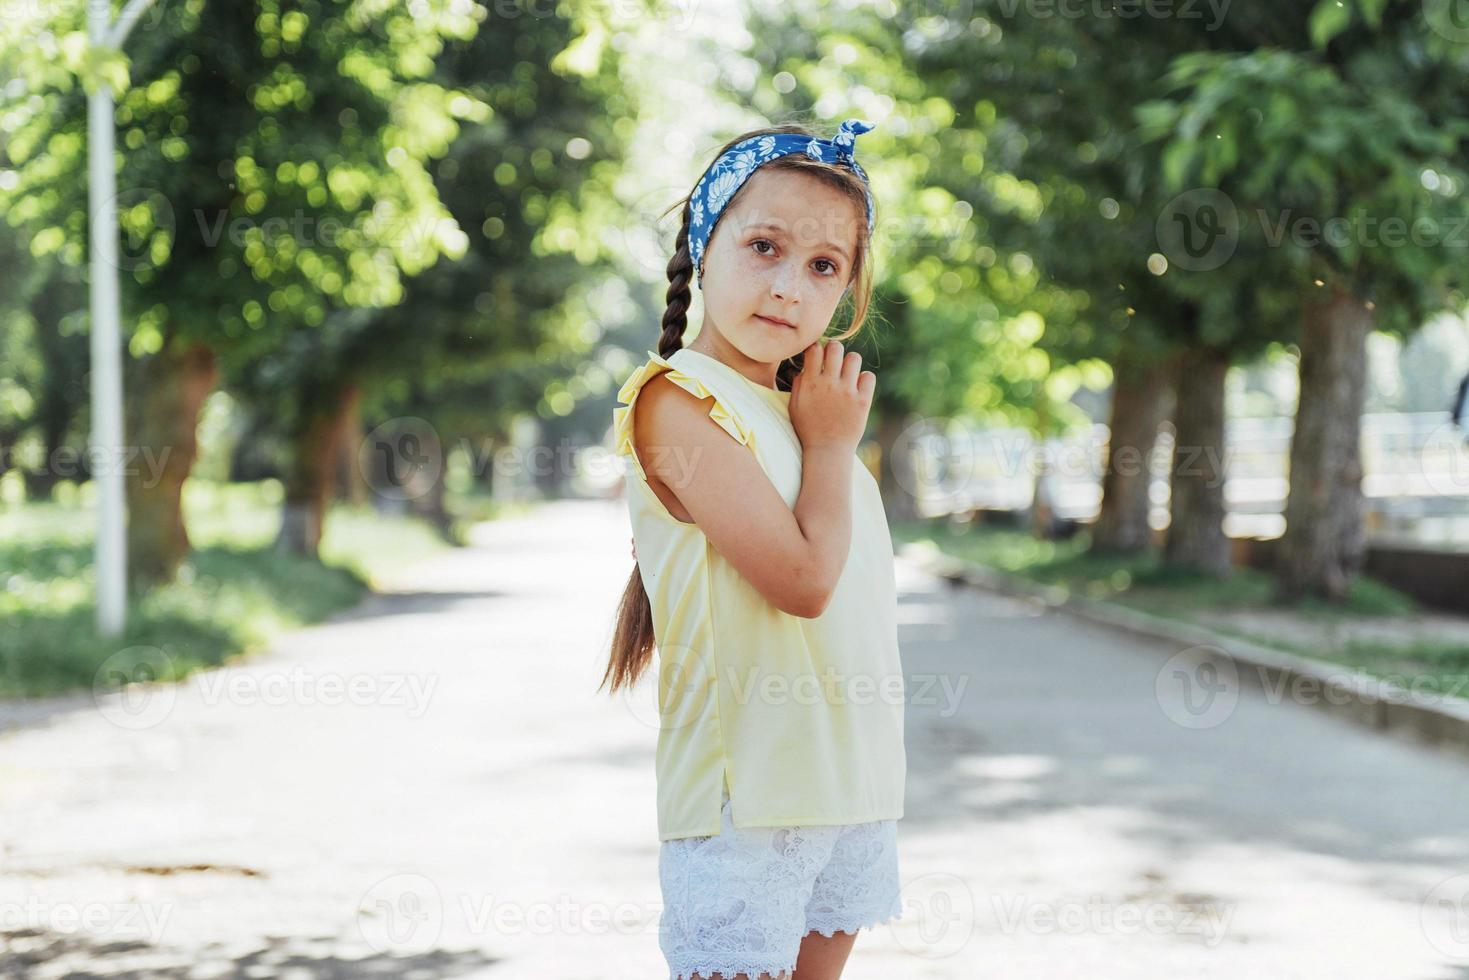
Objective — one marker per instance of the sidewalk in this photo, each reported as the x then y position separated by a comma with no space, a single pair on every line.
430,783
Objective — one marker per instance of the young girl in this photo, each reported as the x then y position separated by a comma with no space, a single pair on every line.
765,574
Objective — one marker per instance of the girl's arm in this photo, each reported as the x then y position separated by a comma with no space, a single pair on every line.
791,557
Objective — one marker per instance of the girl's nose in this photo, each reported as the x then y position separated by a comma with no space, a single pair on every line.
783,283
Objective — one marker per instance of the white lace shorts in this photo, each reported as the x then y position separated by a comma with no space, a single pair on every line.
741,901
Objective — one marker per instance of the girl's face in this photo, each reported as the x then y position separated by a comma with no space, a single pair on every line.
783,252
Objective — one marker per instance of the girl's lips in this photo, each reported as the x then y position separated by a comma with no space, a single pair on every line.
776,323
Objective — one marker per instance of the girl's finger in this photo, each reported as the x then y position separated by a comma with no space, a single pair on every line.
811,362
832,362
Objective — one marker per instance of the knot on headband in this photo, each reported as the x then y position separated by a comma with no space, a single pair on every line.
728,174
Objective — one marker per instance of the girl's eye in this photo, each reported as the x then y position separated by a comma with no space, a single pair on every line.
757,243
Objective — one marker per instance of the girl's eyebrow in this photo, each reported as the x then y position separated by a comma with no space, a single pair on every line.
767,226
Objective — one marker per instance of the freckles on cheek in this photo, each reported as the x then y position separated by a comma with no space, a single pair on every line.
748,262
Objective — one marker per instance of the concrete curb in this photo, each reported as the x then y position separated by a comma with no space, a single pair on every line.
1427,717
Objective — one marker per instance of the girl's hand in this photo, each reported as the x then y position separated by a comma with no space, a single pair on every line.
830,397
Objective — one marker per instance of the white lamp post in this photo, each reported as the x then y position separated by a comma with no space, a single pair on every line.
107,434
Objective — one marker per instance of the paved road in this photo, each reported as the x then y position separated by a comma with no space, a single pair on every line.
429,786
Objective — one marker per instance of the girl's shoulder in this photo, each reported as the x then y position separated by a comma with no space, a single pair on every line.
686,375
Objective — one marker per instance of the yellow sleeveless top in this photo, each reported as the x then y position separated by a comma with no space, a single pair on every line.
799,720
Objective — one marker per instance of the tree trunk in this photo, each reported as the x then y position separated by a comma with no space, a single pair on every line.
895,472
170,387
1196,539
62,393
484,465
431,507
7,451
1044,523
1042,517
351,486
1325,543
316,453
1140,391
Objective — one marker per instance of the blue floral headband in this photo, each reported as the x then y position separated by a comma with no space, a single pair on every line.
729,173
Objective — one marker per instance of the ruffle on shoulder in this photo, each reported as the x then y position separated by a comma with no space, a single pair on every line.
654,366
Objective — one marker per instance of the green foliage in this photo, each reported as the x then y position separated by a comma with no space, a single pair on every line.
273,161
1338,168
1329,19
235,595
961,327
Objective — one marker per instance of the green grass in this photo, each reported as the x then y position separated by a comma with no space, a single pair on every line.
1140,581
1145,584
232,594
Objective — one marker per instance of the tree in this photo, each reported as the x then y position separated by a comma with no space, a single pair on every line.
959,324
1338,151
277,173
477,339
